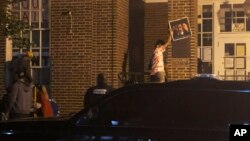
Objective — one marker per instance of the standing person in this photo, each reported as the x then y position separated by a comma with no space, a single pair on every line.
95,93
20,98
157,73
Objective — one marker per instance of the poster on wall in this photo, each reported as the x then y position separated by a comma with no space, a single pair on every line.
180,28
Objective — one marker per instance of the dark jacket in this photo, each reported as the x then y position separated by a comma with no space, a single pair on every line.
95,93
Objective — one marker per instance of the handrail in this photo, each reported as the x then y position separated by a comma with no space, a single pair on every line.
133,77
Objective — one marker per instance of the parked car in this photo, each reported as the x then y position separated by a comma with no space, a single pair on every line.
186,110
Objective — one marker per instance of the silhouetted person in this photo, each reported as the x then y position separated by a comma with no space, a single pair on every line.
95,93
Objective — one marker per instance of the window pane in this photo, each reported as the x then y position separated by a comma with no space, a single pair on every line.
45,21
207,25
240,50
228,25
248,24
207,54
207,11
35,4
225,6
207,39
240,13
25,16
237,6
45,4
229,62
45,57
36,38
240,63
35,19
25,5
45,38
36,59
229,49
199,39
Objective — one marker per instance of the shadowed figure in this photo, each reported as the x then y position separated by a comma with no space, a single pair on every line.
95,93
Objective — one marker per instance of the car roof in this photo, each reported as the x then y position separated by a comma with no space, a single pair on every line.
195,83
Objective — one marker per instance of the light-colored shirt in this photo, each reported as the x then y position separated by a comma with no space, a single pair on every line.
158,63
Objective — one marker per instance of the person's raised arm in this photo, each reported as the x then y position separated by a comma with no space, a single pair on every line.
168,41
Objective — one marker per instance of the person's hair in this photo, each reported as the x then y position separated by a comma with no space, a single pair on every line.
20,74
100,79
159,42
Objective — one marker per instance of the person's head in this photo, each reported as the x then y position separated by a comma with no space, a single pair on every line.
20,75
159,43
185,27
100,79
180,28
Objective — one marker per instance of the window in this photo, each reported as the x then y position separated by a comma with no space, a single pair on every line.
229,49
232,18
35,13
235,61
205,37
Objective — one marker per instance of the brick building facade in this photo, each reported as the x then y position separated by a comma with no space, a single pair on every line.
183,67
97,44
95,37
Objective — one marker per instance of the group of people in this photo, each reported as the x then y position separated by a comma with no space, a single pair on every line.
24,98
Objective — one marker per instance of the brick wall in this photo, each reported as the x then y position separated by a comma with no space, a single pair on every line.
121,27
183,68
97,44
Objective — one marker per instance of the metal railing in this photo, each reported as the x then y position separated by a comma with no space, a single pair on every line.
133,77
234,77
